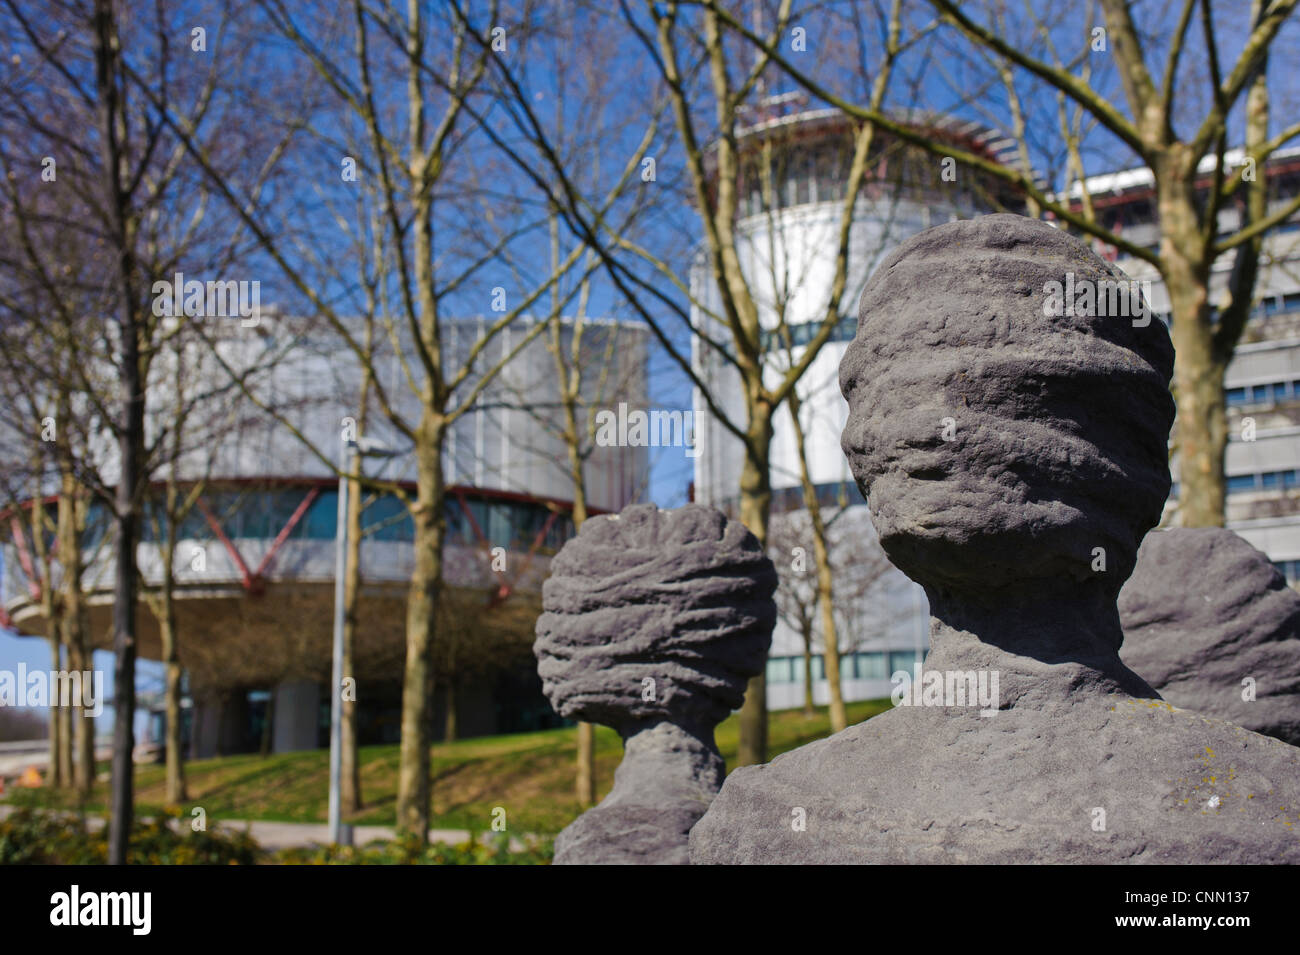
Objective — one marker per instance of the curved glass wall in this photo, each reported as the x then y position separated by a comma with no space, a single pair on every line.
262,513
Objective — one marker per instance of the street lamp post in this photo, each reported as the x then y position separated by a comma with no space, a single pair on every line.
351,453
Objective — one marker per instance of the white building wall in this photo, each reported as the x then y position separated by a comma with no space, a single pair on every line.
789,256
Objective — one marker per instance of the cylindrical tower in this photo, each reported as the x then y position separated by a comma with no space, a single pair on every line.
794,166
255,557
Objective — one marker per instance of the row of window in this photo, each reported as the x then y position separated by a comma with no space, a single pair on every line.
785,499
1267,481
830,494
262,514
875,665
805,332
1271,393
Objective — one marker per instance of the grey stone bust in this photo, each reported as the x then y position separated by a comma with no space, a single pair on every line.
653,621
1213,626
1013,455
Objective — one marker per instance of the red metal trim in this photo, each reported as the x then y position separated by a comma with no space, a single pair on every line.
503,588
25,559
285,531
459,494
231,549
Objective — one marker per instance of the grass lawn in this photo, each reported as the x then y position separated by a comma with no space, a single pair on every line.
530,775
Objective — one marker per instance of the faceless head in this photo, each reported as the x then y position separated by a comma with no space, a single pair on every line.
999,439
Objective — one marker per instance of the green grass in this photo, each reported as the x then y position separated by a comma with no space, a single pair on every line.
530,775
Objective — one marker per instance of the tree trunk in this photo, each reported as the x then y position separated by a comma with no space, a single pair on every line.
586,781
55,777
755,508
585,777
66,741
825,585
176,789
809,709
80,725
58,773
830,644
175,763
130,425
83,724
172,670
413,782
1198,375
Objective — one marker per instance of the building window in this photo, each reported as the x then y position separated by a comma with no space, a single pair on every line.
903,660
871,666
1290,569
1241,483
1271,393
1285,480
778,670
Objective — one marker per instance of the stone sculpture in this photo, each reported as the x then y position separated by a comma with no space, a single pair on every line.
653,621
1213,626
1012,448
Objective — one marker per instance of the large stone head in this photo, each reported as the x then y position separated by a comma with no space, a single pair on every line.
681,598
1003,422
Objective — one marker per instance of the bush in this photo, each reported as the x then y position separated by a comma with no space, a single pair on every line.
31,837
488,850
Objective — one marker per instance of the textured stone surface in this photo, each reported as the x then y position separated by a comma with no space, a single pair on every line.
1059,423
1058,458
1205,610
653,621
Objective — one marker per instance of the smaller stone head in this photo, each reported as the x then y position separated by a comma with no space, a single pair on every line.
1009,408
653,615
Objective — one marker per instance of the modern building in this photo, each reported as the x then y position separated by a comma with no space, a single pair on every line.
1262,381
788,241
255,563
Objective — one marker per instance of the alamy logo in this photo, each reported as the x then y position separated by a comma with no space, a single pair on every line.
640,429
74,907
946,688
220,299
84,688
1107,298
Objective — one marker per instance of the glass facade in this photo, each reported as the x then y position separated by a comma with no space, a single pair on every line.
1268,394
1286,480
261,513
870,665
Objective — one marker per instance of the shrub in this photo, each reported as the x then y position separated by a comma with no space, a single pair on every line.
31,837
487,850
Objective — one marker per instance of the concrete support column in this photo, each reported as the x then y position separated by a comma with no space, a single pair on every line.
297,717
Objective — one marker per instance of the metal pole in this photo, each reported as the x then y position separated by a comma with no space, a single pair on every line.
347,457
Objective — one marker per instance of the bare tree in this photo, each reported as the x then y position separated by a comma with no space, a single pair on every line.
1176,116
90,100
415,137
710,89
